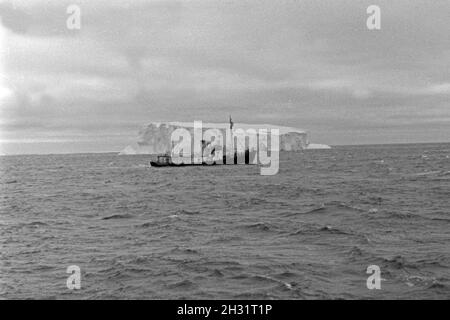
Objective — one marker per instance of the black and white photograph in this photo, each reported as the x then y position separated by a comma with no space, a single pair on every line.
224,150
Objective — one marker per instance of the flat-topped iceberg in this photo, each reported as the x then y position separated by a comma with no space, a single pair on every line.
313,146
155,138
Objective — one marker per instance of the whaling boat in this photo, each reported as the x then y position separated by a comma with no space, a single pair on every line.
166,161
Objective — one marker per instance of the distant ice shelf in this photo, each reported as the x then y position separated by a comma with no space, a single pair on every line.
317,146
154,138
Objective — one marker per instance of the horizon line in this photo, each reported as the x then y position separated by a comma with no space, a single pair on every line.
332,146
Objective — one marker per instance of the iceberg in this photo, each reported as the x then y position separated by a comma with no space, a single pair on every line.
314,146
155,138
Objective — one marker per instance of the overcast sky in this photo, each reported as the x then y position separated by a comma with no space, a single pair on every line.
308,64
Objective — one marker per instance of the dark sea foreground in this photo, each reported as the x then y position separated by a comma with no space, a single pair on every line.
309,232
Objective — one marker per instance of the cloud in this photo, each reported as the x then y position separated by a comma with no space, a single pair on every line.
304,63
441,88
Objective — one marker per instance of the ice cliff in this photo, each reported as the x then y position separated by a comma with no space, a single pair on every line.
155,137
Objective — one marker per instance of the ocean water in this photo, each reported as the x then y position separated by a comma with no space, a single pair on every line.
309,232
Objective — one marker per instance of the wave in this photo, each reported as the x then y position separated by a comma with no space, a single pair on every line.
224,239
187,212
216,273
429,282
287,285
32,224
400,262
145,224
259,226
184,250
183,285
329,207
315,210
436,174
439,286
426,173
253,296
118,216
320,230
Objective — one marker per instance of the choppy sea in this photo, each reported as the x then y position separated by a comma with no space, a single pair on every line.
309,232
